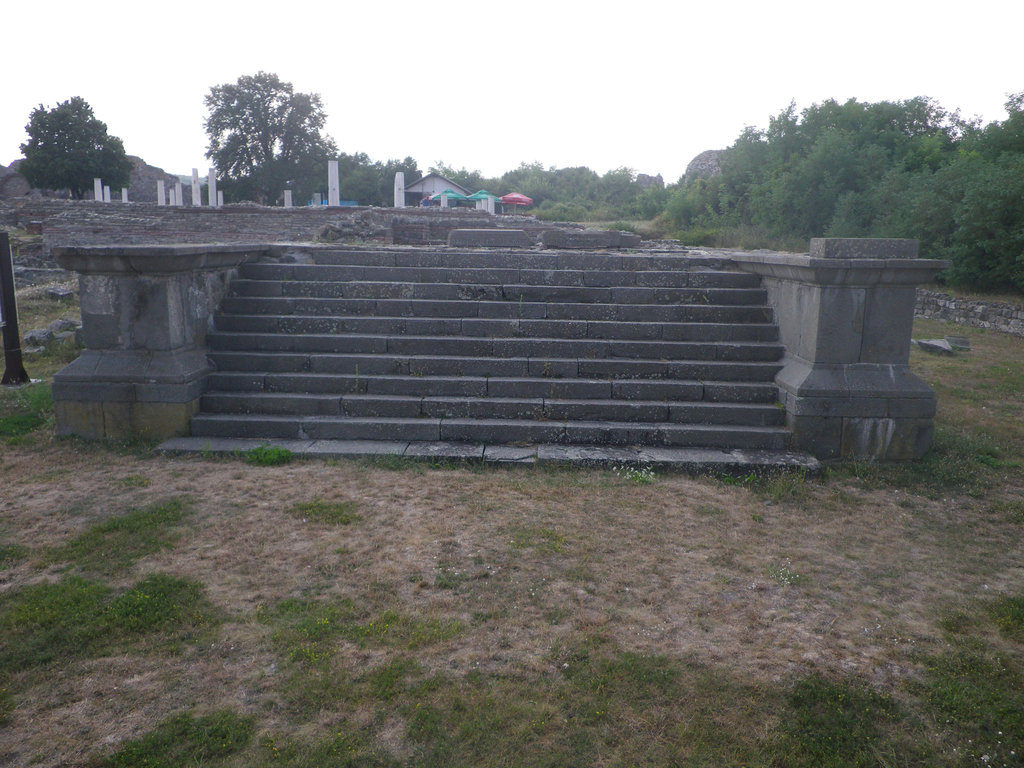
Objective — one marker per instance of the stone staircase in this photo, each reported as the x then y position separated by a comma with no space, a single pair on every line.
511,347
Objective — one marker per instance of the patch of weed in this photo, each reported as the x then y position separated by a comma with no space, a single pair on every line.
185,740
330,512
112,545
1011,511
1008,614
784,574
26,409
345,748
775,485
10,554
392,462
975,690
958,461
639,475
308,630
158,602
134,481
839,723
268,456
539,538
75,617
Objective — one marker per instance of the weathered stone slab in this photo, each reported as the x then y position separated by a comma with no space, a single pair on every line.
581,238
862,248
490,238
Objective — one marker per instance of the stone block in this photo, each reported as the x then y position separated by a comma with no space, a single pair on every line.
489,238
580,239
862,248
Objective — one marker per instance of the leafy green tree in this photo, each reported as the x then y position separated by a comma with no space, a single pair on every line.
68,148
265,137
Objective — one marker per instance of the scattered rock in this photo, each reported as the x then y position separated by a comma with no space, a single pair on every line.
938,346
37,337
60,294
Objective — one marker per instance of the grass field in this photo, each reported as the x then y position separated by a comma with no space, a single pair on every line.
180,611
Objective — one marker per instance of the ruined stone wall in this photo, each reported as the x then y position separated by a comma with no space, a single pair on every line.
92,223
997,315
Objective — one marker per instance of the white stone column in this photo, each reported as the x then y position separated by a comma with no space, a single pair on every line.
161,195
106,193
287,198
197,195
333,197
317,199
444,201
211,187
220,199
124,194
179,194
97,190
400,190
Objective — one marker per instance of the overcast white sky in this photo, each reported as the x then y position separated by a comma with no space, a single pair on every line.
486,85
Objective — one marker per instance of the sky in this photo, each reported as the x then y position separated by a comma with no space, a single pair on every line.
485,85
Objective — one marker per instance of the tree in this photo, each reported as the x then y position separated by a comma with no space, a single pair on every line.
68,148
264,138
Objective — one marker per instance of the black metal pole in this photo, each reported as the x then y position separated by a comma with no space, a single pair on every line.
14,370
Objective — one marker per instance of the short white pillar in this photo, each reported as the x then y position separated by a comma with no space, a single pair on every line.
124,194
161,195
400,190
211,187
197,195
444,201
179,194
106,193
220,199
287,198
333,197
97,190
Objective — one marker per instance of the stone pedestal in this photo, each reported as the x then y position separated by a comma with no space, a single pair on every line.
145,314
845,313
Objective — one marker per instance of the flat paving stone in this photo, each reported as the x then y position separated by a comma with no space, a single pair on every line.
695,460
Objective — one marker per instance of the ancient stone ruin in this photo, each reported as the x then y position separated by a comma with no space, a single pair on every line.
505,345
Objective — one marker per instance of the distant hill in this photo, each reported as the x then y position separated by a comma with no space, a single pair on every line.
141,189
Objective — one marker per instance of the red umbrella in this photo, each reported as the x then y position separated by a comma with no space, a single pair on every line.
514,198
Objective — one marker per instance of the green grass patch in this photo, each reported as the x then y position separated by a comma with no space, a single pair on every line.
134,481
330,512
974,689
1008,614
11,554
958,461
541,539
75,617
185,740
842,724
24,410
309,631
112,545
268,456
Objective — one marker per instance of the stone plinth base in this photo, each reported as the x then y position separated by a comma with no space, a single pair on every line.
145,314
845,313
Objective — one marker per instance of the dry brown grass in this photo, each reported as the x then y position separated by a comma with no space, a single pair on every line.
773,582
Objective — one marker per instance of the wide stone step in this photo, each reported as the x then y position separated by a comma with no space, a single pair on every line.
247,363
499,275
489,431
498,347
473,407
519,259
673,390
248,302
496,327
386,289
